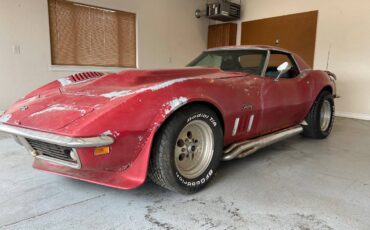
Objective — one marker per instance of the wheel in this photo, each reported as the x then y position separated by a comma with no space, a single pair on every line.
321,117
187,150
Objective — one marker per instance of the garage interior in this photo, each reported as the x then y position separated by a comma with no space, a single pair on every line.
295,184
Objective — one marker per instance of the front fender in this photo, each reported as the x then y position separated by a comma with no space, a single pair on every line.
133,122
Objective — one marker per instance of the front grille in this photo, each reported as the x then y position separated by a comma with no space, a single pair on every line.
52,150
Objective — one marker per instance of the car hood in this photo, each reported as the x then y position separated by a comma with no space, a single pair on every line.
51,111
128,82
70,102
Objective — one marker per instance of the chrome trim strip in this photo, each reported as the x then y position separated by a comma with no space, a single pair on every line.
263,74
57,139
304,123
251,119
248,47
332,78
332,75
296,64
237,48
22,141
76,165
236,125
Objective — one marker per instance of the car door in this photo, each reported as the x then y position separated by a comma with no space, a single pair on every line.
246,103
284,100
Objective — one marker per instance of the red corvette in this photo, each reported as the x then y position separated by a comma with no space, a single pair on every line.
173,125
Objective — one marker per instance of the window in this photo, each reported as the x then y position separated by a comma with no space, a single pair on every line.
83,35
251,60
276,59
248,61
210,61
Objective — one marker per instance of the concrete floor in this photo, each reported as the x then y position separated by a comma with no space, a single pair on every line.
296,184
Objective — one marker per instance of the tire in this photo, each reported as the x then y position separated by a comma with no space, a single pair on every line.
320,120
187,150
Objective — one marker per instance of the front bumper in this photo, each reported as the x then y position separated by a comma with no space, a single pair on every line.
65,141
89,168
23,137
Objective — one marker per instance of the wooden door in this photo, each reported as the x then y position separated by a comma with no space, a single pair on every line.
222,35
295,32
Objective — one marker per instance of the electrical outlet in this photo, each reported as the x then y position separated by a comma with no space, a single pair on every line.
16,49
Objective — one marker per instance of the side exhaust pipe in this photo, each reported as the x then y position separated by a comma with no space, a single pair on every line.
245,148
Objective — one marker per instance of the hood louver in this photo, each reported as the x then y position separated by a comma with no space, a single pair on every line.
85,76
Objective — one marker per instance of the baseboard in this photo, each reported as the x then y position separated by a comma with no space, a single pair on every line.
359,116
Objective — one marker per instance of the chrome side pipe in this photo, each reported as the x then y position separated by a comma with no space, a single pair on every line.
245,148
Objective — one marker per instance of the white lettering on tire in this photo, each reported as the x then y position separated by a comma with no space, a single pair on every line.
204,116
194,183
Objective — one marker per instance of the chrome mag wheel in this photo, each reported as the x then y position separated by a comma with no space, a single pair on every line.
194,149
325,115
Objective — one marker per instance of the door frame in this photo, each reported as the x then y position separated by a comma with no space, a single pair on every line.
280,51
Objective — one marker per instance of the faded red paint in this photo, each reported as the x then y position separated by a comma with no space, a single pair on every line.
145,99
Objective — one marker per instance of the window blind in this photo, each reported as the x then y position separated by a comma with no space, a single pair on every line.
85,35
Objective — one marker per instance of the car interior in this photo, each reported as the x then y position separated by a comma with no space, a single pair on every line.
276,59
247,61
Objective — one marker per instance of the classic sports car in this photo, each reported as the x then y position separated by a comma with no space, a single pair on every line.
174,125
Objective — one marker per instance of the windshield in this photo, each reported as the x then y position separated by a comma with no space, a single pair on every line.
248,61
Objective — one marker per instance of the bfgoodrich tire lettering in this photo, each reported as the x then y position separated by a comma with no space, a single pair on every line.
320,120
165,165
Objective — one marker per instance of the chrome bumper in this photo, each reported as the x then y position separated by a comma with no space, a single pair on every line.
65,141
20,135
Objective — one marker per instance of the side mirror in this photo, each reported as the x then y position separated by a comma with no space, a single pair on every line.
283,69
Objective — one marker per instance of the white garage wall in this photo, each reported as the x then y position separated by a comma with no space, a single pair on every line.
168,36
344,29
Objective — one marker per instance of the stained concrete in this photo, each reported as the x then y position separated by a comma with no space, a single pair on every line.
296,184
